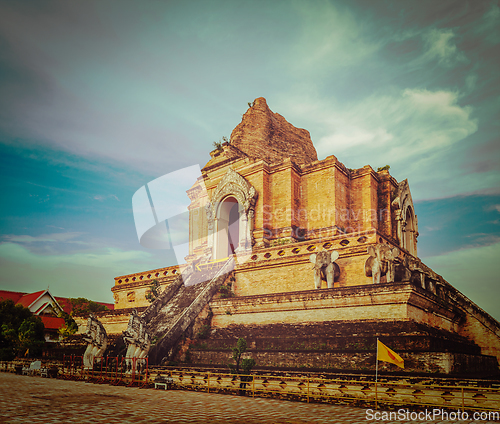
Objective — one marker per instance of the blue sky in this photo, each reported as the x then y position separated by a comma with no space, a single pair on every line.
99,97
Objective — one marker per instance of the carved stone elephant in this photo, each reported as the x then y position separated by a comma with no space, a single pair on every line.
422,275
325,268
381,262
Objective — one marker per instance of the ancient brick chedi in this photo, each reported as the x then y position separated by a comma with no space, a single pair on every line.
309,261
268,136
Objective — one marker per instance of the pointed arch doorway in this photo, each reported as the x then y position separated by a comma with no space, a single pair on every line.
228,227
409,239
230,217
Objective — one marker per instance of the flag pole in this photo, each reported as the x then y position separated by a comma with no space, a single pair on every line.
376,379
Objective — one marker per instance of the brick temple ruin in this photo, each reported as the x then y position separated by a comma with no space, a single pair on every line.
329,264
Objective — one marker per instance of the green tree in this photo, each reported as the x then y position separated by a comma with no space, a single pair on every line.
70,326
246,364
82,306
30,335
79,307
218,146
154,291
19,331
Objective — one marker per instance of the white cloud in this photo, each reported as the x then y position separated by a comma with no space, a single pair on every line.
102,258
489,26
474,272
441,47
329,37
495,208
354,136
152,110
102,198
413,130
54,237
88,95
470,83
85,274
404,125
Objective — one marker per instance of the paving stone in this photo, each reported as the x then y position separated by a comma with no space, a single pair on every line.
26,399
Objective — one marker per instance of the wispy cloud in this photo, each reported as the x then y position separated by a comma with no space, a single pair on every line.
88,274
330,37
474,272
102,198
418,132
481,239
408,123
489,26
494,208
44,238
117,261
40,199
440,46
80,100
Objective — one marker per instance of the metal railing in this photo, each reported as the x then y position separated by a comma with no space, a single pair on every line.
209,266
108,370
136,372
321,389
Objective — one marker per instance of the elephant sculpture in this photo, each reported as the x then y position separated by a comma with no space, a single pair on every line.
381,262
422,275
325,268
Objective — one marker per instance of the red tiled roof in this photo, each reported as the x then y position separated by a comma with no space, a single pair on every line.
15,296
28,299
52,323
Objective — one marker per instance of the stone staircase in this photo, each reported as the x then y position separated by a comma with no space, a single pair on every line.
179,305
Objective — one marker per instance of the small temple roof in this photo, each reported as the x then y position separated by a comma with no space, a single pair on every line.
29,298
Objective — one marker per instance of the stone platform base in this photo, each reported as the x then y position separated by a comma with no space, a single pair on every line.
476,366
348,346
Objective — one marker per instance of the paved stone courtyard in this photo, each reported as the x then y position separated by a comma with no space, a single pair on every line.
26,399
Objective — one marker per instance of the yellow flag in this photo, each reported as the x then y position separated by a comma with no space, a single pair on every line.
387,355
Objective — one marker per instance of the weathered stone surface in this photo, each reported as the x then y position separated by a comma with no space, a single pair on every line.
381,262
138,340
179,312
164,297
266,135
355,361
97,340
348,346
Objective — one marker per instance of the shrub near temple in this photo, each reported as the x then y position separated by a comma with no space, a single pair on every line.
246,364
20,332
153,292
82,306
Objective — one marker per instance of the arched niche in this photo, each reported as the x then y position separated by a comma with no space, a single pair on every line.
232,205
407,224
409,230
228,215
